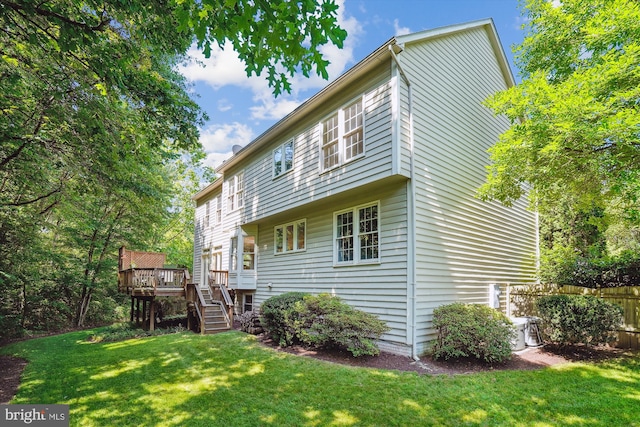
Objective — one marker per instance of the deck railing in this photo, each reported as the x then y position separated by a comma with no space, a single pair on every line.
152,279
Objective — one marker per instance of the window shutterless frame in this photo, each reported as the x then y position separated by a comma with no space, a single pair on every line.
356,235
290,237
342,135
283,158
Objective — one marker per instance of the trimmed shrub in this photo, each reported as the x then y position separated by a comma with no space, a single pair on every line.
578,319
326,321
277,315
472,330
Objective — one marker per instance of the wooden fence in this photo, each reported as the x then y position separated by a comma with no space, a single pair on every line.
521,302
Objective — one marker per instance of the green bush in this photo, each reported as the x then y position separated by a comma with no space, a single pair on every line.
472,330
277,315
326,321
578,319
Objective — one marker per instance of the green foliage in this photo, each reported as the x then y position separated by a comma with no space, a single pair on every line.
277,316
578,319
125,331
472,330
99,136
574,118
573,141
326,321
277,37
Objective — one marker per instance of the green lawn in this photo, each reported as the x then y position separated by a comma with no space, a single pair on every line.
229,380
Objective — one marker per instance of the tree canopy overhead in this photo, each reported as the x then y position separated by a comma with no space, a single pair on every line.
95,127
575,118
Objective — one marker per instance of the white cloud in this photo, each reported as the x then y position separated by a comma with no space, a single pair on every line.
219,139
400,31
224,105
224,68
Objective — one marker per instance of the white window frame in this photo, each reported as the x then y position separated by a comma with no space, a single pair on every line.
218,210
244,302
356,236
207,214
295,234
248,255
333,142
235,189
279,157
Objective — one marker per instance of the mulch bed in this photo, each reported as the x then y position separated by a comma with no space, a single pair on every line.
528,359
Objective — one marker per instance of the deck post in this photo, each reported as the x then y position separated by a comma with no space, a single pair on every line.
137,311
132,308
152,314
144,312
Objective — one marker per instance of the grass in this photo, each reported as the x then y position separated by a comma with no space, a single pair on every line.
228,379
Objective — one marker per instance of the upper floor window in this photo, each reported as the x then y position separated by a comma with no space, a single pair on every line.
236,191
291,237
342,136
249,253
207,213
283,159
356,234
218,201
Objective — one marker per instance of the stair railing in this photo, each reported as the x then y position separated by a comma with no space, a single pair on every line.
218,281
194,295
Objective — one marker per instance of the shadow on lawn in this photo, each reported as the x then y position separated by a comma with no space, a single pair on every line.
229,379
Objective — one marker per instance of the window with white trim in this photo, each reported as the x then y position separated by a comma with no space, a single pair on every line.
247,302
357,235
207,214
283,159
291,237
218,201
248,253
342,136
236,191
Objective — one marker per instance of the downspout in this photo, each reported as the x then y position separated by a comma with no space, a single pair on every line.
411,215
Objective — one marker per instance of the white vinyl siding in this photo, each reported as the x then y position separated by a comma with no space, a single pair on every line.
265,196
213,240
463,244
380,289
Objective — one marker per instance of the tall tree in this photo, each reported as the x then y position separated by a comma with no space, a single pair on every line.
93,117
575,121
574,140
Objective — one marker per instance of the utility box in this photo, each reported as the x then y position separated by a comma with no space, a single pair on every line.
519,342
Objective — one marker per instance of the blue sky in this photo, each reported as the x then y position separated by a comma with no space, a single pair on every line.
241,108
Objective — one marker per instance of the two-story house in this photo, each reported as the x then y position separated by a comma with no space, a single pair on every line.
368,191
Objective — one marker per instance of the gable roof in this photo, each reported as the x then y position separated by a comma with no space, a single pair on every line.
382,53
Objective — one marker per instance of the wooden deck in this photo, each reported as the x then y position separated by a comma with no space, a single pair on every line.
154,282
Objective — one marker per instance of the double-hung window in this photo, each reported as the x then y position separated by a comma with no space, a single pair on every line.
236,191
283,159
290,237
218,200
357,235
342,136
207,214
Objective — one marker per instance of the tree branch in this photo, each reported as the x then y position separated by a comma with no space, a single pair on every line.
104,21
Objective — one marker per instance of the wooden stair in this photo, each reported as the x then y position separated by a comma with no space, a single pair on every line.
214,317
